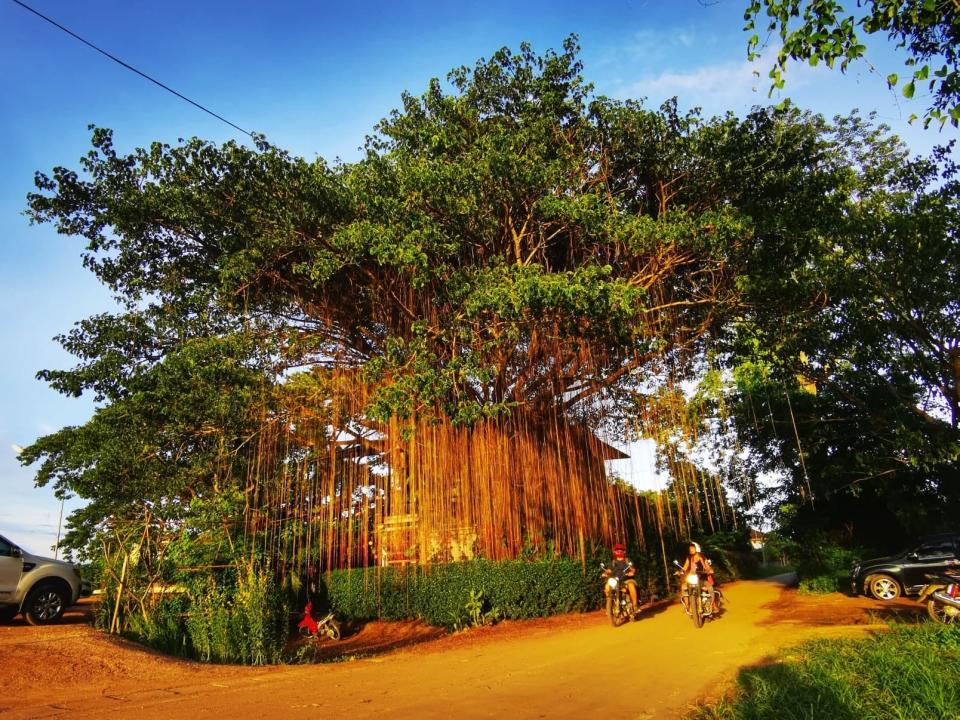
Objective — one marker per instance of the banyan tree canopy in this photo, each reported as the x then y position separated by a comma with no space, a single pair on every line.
507,275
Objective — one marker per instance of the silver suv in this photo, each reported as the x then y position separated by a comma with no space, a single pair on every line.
40,588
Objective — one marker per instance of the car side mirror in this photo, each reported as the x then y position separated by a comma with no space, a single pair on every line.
16,553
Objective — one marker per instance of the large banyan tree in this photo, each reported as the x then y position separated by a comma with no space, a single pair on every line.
424,354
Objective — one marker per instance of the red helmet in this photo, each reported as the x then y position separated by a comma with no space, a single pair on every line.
619,548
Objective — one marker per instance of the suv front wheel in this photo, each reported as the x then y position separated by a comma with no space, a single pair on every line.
45,604
884,587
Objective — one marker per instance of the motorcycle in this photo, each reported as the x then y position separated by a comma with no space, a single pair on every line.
942,596
327,625
695,597
620,608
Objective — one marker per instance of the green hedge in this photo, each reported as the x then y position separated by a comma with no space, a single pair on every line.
440,595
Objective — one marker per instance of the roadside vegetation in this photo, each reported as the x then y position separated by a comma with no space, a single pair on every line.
909,672
824,566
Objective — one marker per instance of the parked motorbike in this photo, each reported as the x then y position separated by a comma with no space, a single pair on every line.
942,596
620,607
695,597
327,625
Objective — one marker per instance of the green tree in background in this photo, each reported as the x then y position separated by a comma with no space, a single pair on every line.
849,374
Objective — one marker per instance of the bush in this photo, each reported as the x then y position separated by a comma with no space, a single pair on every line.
244,623
824,566
162,626
440,595
228,617
909,672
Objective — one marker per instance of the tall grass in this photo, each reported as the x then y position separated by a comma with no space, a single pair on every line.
240,616
908,673
246,623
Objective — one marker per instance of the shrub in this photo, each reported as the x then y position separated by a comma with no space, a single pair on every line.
824,566
227,617
441,595
246,622
161,626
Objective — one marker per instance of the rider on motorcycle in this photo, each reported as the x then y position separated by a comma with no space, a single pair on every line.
697,562
622,567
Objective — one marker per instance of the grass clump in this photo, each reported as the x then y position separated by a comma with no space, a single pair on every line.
908,673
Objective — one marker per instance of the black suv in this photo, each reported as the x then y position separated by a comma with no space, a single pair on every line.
904,573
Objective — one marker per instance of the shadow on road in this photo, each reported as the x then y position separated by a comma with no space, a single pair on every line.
81,614
787,579
655,608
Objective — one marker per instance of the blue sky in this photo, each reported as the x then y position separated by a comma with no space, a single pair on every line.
314,77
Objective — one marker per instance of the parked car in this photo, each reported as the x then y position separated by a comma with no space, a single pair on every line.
905,572
40,588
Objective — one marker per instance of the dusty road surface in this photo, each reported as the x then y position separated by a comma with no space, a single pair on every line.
574,666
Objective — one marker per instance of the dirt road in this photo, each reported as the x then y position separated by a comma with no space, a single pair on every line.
565,667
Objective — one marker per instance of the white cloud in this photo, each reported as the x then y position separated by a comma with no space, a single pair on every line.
718,87
650,48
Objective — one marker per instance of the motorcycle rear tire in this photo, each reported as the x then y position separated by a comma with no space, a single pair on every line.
941,613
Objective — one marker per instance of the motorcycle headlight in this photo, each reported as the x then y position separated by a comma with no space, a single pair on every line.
612,583
693,579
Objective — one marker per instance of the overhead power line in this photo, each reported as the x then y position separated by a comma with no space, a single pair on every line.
128,66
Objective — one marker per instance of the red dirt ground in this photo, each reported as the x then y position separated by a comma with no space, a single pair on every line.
567,666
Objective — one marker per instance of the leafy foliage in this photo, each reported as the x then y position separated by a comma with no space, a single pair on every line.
846,365
222,616
821,31
448,595
823,566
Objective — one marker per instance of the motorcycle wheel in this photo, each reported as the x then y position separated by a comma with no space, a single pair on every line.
333,630
697,612
942,613
613,611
